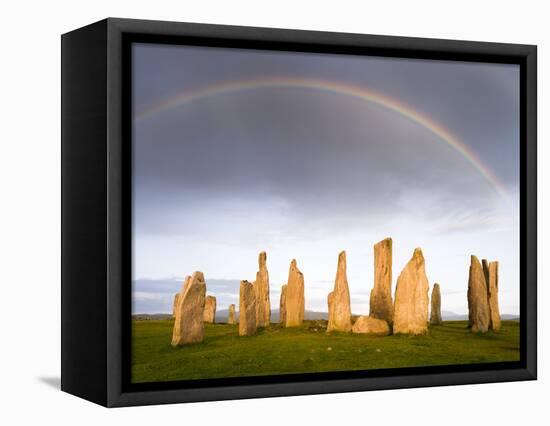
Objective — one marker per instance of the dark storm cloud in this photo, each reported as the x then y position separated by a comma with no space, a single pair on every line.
478,102
323,157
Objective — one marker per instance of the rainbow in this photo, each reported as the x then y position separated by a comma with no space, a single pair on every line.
338,88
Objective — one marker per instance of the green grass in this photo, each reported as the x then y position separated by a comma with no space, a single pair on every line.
277,350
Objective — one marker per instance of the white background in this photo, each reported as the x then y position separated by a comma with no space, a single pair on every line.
30,211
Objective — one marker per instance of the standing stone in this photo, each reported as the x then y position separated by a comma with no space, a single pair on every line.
381,304
231,314
485,266
369,325
491,279
282,305
435,313
470,308
175,305
210,309
410,315
189,324
295,302
261,289
247,309
478,307
339,311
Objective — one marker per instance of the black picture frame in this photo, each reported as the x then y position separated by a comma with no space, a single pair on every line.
96,211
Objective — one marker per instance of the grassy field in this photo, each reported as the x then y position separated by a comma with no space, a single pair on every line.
277,350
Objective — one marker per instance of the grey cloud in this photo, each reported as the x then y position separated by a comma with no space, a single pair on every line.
478,102
324,159
473,220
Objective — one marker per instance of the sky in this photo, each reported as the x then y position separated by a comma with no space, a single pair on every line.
304,172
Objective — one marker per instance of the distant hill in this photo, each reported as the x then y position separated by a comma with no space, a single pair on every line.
451,316
506,317
221,315
148,317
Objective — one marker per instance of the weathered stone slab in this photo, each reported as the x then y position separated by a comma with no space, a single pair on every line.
210,309
261,289
282,305
410,315
435,311
247,309
295,302
231,315
381,304
339,310
491,279
368,325
189,323
175,305
478,307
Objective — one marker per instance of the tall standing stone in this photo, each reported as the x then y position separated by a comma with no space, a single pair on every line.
485,266
231,314
410,315
282,305
435,312
261,289
381,304
175,305
247,309
339,310
478,307
295,302
210,309
189,323
491,279
470,308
